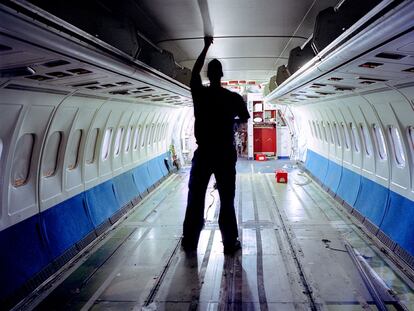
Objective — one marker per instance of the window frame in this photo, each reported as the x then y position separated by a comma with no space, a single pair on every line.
320,131
331,134
75,165
118,141
324,133
92,151
356,142
380,142
367,140
135,141
19,183
50,173
106,143
410,137
399,157
127,140
144,135
347,139
337,135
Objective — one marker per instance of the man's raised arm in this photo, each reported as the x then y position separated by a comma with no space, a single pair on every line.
200,60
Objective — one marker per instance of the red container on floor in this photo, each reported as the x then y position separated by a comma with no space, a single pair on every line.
261,157
281,176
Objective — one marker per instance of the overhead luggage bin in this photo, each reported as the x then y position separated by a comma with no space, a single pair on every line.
282,74
332,22
299,57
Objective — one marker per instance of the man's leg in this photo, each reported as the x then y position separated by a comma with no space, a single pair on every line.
194,215
225,174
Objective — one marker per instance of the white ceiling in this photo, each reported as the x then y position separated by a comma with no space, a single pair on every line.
253,38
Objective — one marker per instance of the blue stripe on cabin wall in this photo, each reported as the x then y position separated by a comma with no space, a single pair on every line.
31,245
388,210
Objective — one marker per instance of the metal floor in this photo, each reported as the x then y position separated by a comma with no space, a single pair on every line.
293,256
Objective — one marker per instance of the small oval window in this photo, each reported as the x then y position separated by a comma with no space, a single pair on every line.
127,143
310,128
397,145
136,136
319,131
74,150
106,145
346,135
51,154
355,137
380,141
118,138
22,160
1,147
151,139
314,129
164,133
337,135
91,146
410,131
367,140
331,135
147,129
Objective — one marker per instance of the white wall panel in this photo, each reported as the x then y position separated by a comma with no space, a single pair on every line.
50,183
381,166
8,122
20,202
73,180
396,112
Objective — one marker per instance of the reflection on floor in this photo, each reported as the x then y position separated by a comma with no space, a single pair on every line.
293,256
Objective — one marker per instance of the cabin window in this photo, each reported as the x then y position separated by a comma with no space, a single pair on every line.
106,146
410,131
355,137
145,135
397,145
346,135
91,146
331,135
314,129
22,160
367,140
325,137
151,137
159,132
128,139
74,150
310,128
379,137
51,154
164,131
319,131
337,135
118,138
136,136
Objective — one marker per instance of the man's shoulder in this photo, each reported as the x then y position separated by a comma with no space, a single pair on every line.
232,95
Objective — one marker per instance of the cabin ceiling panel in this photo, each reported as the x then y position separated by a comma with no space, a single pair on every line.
242,28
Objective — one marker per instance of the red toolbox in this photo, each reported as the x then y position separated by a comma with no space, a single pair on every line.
261,157
281,176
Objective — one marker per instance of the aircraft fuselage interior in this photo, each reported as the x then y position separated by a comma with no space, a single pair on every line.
97,142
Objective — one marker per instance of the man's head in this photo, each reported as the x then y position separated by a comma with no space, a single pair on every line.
214,70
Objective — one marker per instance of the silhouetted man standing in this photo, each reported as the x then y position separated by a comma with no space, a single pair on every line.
215,110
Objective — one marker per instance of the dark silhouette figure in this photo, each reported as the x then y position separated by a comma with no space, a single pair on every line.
216,110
